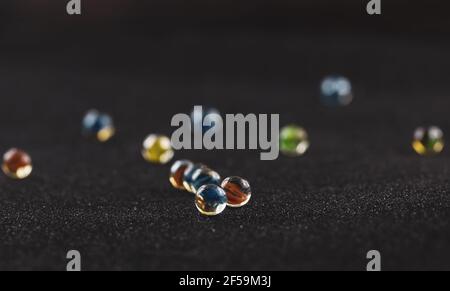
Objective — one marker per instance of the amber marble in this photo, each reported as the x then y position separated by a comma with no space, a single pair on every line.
238,191
177,172
17,164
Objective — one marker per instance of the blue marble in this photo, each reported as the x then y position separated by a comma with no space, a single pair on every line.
211,200
336,91
94,122
188,177
204,176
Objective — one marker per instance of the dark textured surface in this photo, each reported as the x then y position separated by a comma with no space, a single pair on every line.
360,187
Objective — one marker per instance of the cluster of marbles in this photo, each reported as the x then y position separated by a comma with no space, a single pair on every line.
17,164
98,125
198,175
185,175
211,195
157,149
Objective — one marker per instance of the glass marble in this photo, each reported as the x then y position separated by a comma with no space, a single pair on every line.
211,200
428,141
157,149
336,91
188,177
99,125
177,173
238,191
294,140
199,113
203,176
17,164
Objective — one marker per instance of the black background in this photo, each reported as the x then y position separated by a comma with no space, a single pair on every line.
360,187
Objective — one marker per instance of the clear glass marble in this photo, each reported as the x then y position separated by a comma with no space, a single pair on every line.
203,176
238,191
211,200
